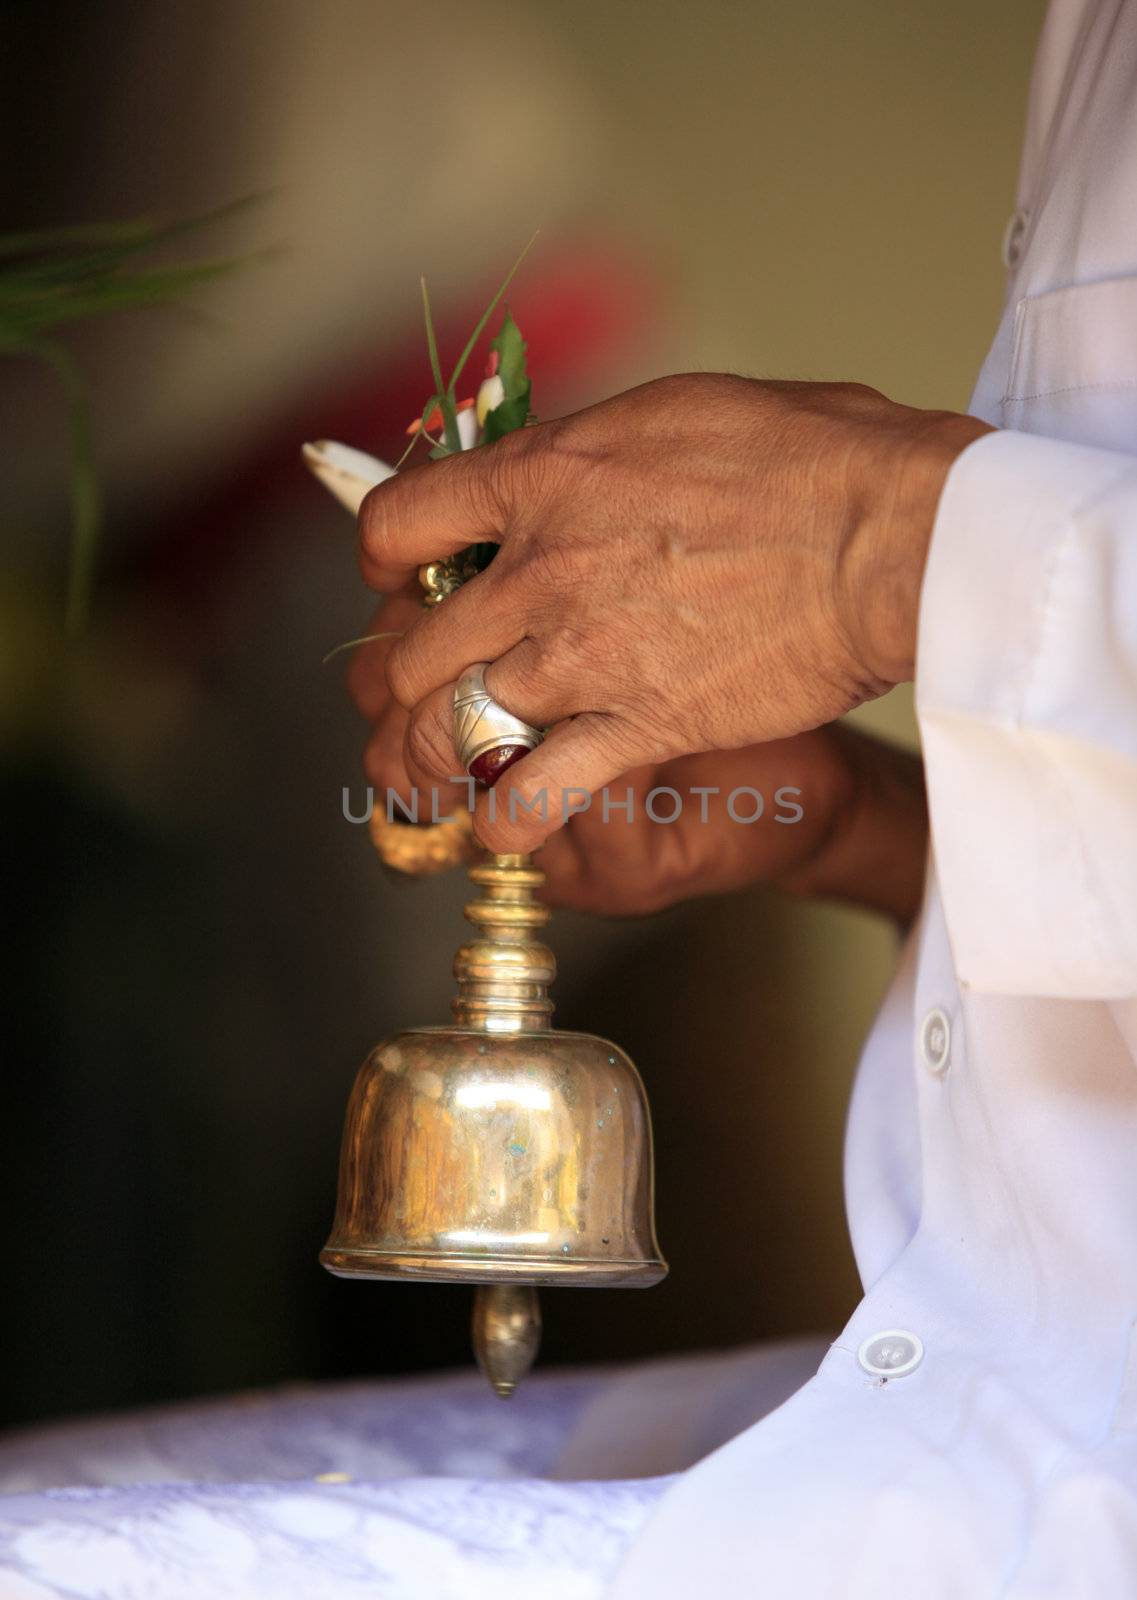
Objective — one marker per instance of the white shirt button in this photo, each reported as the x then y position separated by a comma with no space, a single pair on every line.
891,1354
935,1042
1013,240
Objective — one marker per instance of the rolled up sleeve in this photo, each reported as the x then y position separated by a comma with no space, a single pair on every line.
1026,695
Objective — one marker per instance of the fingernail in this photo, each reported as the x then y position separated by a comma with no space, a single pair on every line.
344,472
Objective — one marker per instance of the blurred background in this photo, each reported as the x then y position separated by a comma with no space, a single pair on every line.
200,948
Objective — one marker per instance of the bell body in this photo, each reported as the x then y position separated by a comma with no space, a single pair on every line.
497,1157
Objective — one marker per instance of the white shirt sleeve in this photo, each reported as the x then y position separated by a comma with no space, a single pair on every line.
1026,694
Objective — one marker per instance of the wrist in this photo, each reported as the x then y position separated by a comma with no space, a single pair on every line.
903,475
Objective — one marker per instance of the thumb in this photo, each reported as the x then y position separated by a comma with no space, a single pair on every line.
433,510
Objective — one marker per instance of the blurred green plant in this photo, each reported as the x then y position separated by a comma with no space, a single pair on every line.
60,276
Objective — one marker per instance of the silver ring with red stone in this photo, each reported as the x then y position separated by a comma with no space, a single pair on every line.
488,738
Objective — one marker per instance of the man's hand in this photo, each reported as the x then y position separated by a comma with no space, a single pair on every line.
700,564
843,817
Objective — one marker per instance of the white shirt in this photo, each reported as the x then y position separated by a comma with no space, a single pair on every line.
991,1167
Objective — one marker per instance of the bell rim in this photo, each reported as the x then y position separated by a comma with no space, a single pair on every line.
425,1266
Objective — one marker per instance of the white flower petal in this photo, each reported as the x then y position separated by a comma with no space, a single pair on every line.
490,396
346,473
467,428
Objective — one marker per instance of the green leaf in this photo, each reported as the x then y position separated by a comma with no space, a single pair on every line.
507,417
513,411
511,348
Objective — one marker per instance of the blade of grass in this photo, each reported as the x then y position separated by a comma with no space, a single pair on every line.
445,402
415,437
47,308
353,644
134,235
140,233
488,313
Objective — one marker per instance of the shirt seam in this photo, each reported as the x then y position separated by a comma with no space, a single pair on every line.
1070,388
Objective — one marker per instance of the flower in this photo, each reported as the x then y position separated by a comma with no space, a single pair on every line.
490,396
346,473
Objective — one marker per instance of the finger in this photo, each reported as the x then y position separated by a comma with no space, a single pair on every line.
385,765
433,510
429,754
383,760
367,672
478,622
561,859
540,792
573,879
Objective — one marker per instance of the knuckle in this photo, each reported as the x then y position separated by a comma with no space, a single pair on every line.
569,640
529,463
591,651
859,391
845,400
522,444
534,679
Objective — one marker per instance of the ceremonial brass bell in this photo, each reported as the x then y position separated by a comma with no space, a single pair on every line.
498,1152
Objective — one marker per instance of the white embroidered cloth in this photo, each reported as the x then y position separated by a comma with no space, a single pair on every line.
423,1489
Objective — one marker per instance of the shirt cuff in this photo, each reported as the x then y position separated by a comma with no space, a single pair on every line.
1026,696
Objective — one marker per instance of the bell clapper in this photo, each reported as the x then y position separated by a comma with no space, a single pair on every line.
506,1328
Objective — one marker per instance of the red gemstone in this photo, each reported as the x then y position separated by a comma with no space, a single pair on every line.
489,766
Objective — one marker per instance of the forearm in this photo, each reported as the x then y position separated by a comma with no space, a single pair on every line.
874,851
